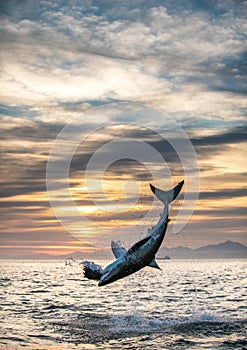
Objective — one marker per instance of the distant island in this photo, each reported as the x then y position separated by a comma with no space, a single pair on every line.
226,250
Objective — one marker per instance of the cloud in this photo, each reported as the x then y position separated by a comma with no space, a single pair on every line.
231,136
27,161
145,52
224,193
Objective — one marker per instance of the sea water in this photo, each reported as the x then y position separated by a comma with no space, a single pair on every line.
190,304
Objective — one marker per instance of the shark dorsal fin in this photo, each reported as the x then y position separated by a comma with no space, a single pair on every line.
118,249
138,244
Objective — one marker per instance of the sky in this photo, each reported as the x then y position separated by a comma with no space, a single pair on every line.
100,98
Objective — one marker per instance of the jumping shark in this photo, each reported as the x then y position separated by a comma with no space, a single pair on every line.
142,253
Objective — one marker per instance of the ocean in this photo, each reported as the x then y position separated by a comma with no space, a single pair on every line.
191,304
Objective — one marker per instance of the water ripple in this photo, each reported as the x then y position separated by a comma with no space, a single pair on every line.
44,305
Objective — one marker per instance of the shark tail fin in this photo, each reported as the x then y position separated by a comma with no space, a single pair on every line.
167,196
92,271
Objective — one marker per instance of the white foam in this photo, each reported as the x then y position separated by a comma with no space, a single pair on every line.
141,323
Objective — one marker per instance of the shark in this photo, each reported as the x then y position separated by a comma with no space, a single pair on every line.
140,254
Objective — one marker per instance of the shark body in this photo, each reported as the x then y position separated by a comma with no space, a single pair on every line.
142,253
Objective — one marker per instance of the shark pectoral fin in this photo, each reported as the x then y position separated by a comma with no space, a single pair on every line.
138,244
154,264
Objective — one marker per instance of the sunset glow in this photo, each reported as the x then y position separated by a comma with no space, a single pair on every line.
62,63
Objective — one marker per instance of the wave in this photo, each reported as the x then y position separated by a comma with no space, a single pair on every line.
134,325
138,323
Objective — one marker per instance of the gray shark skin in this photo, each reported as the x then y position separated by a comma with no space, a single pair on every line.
142,253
